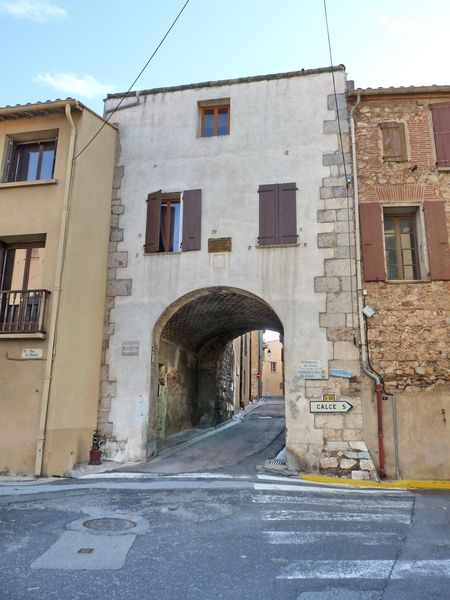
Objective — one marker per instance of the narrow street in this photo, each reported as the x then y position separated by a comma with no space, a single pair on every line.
201,523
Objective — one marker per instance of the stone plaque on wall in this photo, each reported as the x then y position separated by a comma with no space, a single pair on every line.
130,348
219,244
311,369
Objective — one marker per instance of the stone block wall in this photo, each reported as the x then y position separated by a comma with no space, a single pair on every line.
342,433
409,336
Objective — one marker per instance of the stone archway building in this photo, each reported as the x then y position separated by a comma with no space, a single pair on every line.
231,212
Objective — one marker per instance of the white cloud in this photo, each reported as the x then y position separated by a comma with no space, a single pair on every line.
41,12
69,83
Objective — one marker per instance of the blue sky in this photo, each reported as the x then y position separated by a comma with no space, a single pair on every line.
86,48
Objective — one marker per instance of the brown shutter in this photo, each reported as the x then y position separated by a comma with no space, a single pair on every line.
441,127
192,220
268,215
372,241
287,213
394,141
153,222
437,239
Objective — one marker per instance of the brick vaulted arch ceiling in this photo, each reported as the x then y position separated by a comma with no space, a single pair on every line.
219,312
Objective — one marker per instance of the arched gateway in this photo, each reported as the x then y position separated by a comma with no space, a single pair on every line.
192,374
219,231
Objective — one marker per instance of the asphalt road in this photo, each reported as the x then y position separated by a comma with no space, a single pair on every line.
221,534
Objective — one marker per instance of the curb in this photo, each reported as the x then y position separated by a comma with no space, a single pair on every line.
402,483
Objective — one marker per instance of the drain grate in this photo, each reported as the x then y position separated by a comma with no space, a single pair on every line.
275,462
109,524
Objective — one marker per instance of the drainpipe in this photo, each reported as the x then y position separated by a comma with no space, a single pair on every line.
364,360
55,298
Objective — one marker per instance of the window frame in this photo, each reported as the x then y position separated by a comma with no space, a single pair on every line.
16,151
189,222
214,105
400,127
399,249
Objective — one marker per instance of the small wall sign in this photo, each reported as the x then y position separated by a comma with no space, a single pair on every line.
329,404
311,369
130,348
32,353
219,244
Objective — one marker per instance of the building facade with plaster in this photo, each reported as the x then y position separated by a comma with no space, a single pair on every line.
272,369
402,138
54,227
232,212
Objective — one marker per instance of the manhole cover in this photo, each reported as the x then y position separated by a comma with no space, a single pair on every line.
109,524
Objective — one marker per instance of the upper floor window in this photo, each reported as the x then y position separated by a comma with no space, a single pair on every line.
410,234
441,128
173,221
400,242
22,299
30,160
394,142
214,119
277,214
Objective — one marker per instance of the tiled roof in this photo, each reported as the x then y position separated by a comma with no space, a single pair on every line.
385,91
222,82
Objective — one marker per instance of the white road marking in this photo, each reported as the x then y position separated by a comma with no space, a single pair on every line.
344,502
311,537
143,475
365,569
301,487
312,515
338,569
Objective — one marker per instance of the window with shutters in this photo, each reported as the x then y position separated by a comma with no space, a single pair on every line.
214,117
30,159
400,245
441,127
173,221
394,142
404,243
277,214
22,299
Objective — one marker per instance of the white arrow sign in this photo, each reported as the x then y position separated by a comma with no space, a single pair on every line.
335,406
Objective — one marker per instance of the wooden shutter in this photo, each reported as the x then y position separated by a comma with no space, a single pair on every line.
287,213
192,220
437,239
372,241
394,141
153,222
441,127
268,215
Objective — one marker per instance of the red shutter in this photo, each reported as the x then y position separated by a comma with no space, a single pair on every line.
153,222
192,220
287,213
441,126
437,239
372,241
268,215
394,141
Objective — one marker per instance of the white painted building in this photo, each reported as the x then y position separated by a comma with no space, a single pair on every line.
231,213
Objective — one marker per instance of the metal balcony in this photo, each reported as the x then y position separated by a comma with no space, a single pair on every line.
23,311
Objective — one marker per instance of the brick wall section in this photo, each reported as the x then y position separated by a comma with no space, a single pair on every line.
344,452
115,287
409,337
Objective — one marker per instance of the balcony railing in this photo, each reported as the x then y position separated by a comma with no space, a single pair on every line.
23,311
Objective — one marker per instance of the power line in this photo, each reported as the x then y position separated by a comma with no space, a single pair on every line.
343,162
135,81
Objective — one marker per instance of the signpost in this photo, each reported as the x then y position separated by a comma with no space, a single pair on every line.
329,404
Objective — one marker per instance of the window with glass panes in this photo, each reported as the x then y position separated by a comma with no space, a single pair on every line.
400,242
31,161
215,120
